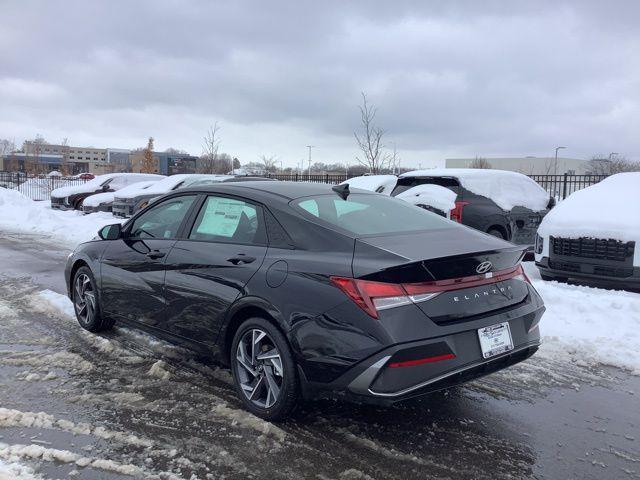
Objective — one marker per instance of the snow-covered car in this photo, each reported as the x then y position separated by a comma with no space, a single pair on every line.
594,234
126,205
71,197
54,173
103,202
85,176
508,205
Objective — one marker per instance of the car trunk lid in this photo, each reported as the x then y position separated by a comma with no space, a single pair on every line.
449,274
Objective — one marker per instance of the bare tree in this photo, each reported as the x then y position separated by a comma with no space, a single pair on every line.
148,165
210,146
6,146
370,140
269,162
600,165
480,162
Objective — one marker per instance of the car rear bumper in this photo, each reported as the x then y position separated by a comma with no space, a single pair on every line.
375,381
623,275
58,204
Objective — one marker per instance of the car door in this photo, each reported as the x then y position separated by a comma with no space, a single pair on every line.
133,267
210,268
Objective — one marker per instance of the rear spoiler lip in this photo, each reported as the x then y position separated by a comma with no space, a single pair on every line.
516,248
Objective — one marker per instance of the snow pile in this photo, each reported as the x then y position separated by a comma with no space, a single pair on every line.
433,195
19,214
590,325
38,452
16,471
609,209
17,418
127,192
506,189
374,183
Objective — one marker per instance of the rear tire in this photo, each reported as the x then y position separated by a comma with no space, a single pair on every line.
496,233
264,372
86,303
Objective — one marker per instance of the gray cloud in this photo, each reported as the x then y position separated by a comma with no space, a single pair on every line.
449,78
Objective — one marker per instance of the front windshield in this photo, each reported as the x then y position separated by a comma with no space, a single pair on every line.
365,214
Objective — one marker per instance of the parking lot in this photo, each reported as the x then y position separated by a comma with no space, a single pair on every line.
124,404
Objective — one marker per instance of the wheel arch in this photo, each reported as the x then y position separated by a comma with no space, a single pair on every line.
241,311
501,228
80,262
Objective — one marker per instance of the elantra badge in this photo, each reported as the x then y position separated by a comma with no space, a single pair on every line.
484,267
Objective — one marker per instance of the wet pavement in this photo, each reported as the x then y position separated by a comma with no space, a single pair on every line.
123,405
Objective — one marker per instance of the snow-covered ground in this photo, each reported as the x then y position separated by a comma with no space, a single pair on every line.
19,214
589,325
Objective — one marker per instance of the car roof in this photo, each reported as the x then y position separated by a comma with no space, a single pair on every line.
258,190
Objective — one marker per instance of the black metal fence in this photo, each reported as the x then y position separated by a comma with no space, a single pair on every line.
331,178
559,186
36,187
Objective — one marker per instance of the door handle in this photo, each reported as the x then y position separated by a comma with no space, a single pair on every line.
241,259
155,254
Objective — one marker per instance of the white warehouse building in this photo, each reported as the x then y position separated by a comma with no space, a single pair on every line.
528,165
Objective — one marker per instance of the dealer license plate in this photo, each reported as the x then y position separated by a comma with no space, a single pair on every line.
495,339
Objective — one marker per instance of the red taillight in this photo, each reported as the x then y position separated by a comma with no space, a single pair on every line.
375,296
367,294
456,213
421,361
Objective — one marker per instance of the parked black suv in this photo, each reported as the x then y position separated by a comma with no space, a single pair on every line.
502,210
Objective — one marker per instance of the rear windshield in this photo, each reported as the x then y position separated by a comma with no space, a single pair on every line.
405,184
366,214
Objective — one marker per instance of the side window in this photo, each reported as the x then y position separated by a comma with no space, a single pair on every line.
310,206
228,220
162,220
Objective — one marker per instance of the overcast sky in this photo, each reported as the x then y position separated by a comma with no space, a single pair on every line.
450,79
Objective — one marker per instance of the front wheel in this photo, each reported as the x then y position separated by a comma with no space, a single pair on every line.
263,370
86,303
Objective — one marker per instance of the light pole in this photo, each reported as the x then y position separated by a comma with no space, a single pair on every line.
555,164
309,169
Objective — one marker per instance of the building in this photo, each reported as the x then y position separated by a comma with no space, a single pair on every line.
165,163
528,165
33,163
80,159
118,159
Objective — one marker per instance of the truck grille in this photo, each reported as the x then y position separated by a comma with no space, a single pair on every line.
593,248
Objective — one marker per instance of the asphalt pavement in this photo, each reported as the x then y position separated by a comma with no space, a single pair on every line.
123,405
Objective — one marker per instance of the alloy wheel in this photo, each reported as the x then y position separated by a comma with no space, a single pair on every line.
84,299
259,368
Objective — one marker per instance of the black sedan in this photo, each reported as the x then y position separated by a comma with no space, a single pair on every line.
308,290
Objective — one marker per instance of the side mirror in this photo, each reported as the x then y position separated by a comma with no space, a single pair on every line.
110,232
552,203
